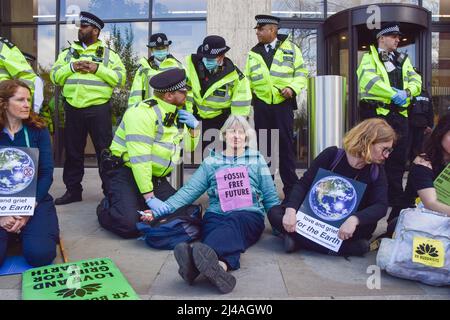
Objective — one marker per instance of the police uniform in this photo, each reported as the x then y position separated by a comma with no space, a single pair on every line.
146,146
140,89
13,64
269,71
217,94
378,74
87,103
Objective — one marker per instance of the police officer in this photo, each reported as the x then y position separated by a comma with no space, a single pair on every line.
219,88
421,121
160,60
145,149
13,64
387,82
38,97
88,71
277,75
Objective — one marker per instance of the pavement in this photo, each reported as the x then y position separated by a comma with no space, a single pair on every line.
266,271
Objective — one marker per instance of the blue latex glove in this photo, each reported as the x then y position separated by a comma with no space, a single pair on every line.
400,97
188,119
159,208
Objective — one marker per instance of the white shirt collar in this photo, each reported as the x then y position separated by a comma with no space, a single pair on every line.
273,44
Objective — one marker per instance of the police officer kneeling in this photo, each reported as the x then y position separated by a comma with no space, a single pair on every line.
145,148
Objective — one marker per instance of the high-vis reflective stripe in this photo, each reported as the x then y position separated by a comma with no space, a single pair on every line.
284,63
160,161
255,67
280,74
141,159
160,130
139,138
122,125
87,82
241,103
204,108
106,58
136,93
367,70
119,140
166,145
371,83
257,77
217,99
4,71
190,99
28,82
118,73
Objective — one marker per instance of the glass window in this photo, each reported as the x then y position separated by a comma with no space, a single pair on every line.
306,39
105,9
28,10
298,8
440,64
185,36
440,9
336,6
179,8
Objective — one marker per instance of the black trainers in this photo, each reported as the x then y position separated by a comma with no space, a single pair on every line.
354,248
289,243
68,197
187,269
207,263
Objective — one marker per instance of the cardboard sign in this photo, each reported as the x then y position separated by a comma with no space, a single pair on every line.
330,201
233,186
18,180
442,186
94,279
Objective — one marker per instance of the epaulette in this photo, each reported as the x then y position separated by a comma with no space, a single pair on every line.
7,42
239,72
151,102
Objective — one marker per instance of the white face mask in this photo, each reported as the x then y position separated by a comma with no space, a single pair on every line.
160,54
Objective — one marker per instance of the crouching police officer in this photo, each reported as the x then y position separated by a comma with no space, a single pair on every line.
387,83
145,149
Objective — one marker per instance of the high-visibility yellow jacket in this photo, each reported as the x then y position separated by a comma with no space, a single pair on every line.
141,90
147,146
83,90
232,90
374,81
287,70
13,64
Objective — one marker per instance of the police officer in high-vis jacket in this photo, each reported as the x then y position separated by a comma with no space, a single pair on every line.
145,149
88,71
13,64
387,83
277,75
219,88
160,60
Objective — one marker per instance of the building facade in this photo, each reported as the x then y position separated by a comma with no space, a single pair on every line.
329,32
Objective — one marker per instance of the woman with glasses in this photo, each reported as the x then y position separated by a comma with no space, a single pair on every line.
366,147
241,191
21,127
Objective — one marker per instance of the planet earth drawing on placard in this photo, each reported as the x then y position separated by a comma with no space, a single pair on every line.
16,170
332,198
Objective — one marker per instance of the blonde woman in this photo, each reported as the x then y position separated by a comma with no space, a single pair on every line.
241,192
366,147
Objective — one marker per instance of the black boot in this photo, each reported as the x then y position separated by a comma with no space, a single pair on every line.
290,245
68,197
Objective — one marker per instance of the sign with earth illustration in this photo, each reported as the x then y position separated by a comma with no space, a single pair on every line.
18,179
330,201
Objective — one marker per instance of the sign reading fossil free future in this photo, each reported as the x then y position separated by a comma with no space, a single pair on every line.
94,279
18,180
330,201
233,186
442,186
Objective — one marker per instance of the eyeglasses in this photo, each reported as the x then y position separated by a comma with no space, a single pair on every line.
387,151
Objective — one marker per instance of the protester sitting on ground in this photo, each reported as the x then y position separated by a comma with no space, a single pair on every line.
240,191
366,147
424,170
22,127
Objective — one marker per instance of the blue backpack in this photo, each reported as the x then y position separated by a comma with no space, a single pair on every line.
168,231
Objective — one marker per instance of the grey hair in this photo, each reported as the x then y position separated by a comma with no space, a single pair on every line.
250,133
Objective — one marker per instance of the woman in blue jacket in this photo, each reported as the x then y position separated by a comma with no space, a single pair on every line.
241,191
21,127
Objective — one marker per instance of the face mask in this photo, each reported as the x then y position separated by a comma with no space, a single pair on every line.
160,54
210,64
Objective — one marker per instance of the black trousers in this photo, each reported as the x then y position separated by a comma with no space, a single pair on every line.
395,164
213,123
118,211
275,217
95,120
279,117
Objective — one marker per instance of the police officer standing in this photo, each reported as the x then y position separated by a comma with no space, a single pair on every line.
145,149
387,82
160,60
13,64
277,75
219,88
88,71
